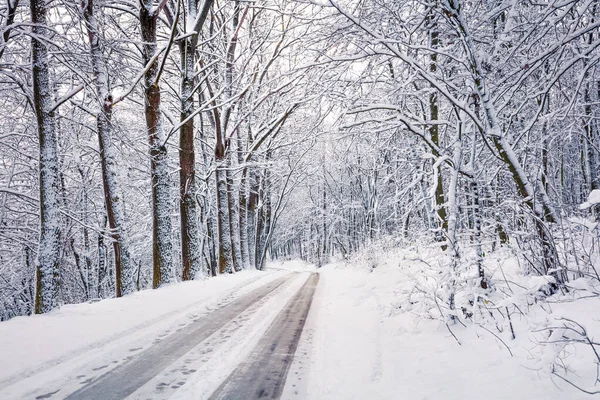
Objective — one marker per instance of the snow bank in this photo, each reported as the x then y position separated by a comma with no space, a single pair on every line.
365,340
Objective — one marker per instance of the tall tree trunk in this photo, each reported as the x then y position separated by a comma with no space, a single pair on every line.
260,227
265,218
592,142
268,206
108,159
243,199
234,228
253,217
244,247
162,246
223,227
223,218
47,269
89,268
101,264
206,213
191,250
440,199
452,188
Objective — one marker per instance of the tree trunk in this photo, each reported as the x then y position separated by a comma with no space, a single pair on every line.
223,221
159,169
440,199
244,247
452,190
265,218
89,269
101,263
108,159
234,228
47,269
252,217
223,228
191,250
268,213
260,227
233,215
476,211
206,212
591,156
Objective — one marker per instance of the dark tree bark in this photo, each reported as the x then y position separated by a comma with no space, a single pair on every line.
243,217
191,250
253,216
191,242
223,227
159,168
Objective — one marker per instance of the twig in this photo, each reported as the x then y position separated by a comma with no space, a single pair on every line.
497,337
66,97
453,335
574,385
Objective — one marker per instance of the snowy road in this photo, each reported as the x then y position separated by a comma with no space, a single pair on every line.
284,333
263,374
247,337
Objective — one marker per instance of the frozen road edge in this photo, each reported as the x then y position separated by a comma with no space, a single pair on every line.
264,373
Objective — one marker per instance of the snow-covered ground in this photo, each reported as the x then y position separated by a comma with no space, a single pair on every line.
358,343
367,336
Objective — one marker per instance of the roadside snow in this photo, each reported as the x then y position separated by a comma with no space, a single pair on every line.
359,344
291,266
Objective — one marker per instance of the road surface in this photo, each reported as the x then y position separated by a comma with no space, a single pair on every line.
263,374
242,349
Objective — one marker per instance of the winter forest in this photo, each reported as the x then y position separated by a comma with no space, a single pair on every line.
144,143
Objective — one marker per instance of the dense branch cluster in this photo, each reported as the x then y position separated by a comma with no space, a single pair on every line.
474,121
109,106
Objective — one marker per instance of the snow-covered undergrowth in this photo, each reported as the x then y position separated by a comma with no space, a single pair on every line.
382,328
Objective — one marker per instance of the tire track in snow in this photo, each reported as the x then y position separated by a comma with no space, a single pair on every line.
122,336
137,370
202,370
263,375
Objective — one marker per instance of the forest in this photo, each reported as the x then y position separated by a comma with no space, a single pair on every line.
149,142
